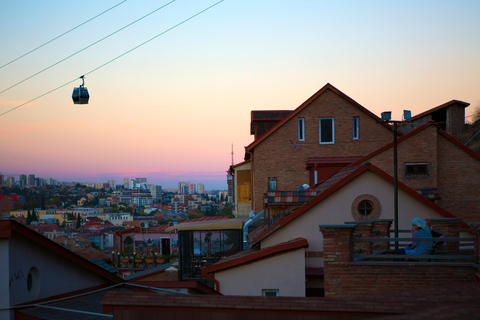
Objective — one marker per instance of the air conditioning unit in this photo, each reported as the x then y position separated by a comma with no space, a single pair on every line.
144,225
171,224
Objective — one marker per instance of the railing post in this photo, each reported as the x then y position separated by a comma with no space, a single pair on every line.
476,232
381,229
365,229
337,243
337,254
449,227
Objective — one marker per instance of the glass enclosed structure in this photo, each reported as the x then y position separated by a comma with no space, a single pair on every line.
201,248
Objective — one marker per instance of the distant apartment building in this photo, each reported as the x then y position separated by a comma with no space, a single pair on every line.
231,188
31,180
111,184
156,192
116,195
125,183
182,188
200,188
192,188
142,197
10,181
126,196
23,181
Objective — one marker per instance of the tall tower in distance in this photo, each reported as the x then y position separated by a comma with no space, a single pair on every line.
230,183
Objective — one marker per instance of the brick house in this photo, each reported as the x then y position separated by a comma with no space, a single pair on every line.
329,124
295,243
450,116
436,165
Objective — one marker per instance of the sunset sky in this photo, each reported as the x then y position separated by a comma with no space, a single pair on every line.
171,109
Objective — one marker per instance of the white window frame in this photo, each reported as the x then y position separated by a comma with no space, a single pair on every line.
320,130
355,127
301,129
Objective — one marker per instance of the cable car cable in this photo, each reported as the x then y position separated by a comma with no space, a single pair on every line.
85,48
98,15
63,85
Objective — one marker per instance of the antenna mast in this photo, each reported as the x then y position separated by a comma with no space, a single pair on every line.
232,155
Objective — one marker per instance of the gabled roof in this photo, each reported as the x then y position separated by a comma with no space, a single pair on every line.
447,104
328,86
254,254
337,181
9,227
413,132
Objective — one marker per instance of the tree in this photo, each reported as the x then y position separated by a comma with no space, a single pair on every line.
226,211
79,221
29,218
476,112
34,215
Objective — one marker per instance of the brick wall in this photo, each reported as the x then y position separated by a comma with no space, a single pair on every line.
456,119
274,156
420,148
345,279
452,171
459,183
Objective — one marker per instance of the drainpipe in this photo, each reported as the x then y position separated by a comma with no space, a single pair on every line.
248,223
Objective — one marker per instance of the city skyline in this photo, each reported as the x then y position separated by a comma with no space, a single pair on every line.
171,109
117,182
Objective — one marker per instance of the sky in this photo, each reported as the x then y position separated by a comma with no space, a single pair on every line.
171,109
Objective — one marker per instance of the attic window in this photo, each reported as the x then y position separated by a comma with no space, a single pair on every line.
301,129
355,128
365,207
416,169
327,131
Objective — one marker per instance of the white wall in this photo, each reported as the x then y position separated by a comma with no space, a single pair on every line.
336,209
4,281
249,279
57,274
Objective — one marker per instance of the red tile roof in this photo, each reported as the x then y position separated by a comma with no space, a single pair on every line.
206,218
319,161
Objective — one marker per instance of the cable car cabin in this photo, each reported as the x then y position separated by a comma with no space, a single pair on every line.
80,95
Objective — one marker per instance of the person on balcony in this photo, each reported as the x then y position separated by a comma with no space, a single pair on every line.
419,230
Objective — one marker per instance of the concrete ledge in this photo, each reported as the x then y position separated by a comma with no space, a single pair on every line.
412,263
336,226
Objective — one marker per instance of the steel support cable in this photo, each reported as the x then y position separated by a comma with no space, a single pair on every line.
98,15
118,57
85,48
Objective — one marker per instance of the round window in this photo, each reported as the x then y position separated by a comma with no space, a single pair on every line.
33,282
365,207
